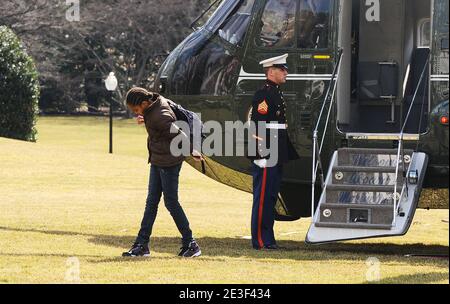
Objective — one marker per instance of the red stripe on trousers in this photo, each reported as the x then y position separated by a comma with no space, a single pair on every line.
261,206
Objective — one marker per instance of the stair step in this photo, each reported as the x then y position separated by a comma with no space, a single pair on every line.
349,176
345,206
354,226
370,158
366,169
374,151
360,197
361,188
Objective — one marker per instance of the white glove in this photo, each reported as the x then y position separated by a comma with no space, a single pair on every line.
262,163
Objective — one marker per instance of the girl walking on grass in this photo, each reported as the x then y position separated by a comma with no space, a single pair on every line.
154,111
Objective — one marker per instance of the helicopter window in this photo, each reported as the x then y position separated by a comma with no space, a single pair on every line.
216,71
278,24
220,15
236,26
313,20
424,34
206,70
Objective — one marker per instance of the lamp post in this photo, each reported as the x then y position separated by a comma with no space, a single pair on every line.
111,86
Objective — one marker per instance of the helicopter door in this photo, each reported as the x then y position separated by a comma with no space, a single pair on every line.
386,65
379,61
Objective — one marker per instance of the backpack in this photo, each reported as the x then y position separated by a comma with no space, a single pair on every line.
187,116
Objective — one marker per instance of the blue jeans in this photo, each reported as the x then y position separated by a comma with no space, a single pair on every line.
164,181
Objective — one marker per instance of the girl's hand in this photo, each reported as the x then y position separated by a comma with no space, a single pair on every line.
140,119
197,156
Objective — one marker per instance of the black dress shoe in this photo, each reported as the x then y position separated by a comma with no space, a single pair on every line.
272,247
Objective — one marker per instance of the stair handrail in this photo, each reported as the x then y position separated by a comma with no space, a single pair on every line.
401,152
317,150
414,96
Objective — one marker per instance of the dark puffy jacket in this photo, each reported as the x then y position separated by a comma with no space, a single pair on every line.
159,118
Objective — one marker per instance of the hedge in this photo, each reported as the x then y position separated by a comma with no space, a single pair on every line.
19,89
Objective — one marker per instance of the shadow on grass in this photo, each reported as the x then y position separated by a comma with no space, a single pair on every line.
420,278
240,248
50,255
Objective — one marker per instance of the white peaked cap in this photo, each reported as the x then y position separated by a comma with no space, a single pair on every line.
279,61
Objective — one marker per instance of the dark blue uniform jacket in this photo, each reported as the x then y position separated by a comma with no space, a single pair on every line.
269,106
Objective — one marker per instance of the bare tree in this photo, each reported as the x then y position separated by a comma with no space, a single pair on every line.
130,37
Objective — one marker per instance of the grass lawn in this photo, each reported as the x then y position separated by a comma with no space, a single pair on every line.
67,207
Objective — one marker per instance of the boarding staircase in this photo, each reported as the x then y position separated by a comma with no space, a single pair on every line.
367,192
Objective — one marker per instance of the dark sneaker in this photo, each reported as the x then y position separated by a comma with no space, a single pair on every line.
183,251
137,250
192,251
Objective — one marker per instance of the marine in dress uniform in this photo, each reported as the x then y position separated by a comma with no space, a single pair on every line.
269,108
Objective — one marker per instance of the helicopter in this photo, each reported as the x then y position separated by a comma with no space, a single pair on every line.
367,95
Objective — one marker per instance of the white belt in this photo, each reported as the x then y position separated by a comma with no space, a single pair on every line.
276,126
